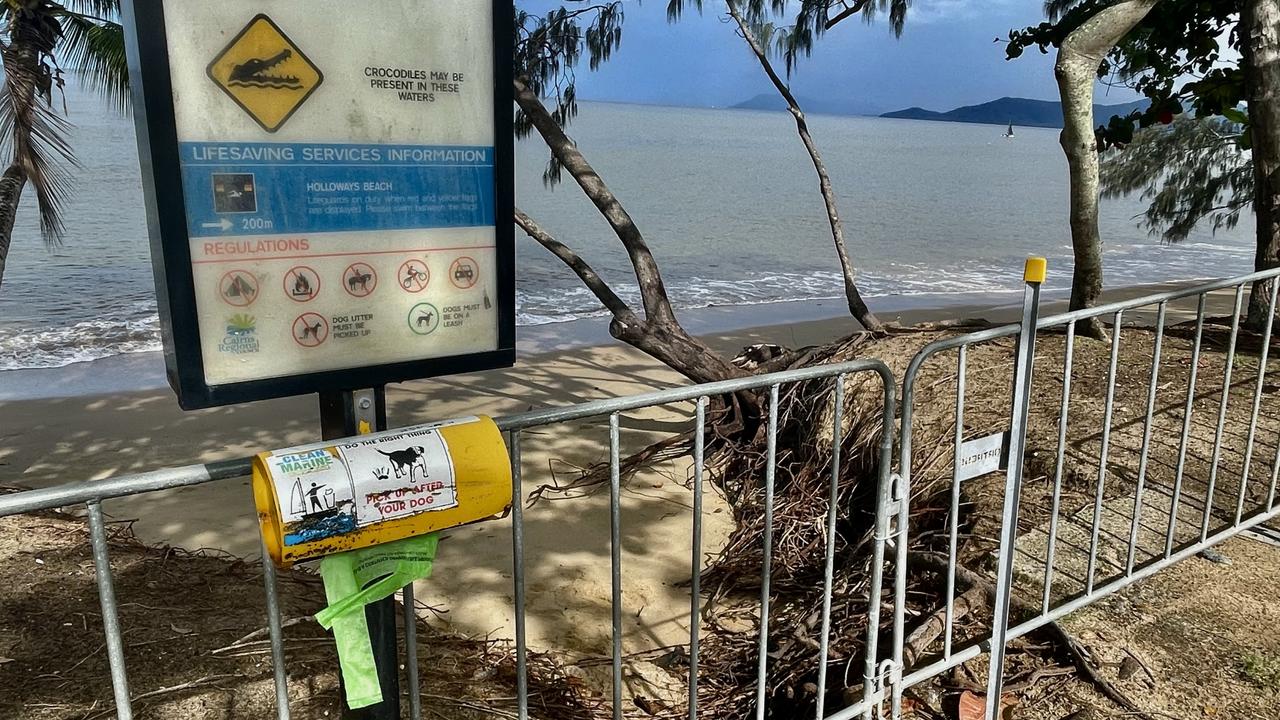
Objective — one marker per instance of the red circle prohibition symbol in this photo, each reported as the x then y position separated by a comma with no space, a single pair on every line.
414,276
360,280
464,273
310,330
302,284
238,288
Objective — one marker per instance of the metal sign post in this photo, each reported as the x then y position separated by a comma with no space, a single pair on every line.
329,192
344,414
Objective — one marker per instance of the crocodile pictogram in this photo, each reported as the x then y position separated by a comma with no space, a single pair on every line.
253,73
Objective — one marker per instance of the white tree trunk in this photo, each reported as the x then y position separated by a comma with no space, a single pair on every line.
1076,72
1260,25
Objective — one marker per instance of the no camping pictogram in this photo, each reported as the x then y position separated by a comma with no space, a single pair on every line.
265,73
310,330
238,288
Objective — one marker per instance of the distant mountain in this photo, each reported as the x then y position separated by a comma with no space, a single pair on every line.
1022,112
829,106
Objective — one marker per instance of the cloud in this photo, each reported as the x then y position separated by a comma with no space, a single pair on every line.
932,11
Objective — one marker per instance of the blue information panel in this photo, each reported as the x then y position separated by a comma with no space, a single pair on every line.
237,189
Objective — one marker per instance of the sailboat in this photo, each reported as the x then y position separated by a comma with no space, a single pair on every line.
1008,134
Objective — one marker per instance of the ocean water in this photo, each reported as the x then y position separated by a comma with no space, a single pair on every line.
726,198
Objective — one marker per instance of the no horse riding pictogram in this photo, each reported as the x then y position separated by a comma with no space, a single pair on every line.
265,73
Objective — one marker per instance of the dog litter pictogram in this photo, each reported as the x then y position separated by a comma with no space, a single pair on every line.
310,330
360,280
265,73
302,284
463,273
238,288
414,276
424,318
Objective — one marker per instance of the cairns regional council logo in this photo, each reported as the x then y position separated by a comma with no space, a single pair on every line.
242,335
265,73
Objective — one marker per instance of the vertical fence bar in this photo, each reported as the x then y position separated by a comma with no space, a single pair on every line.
884,501
1024,374
828,579
1222,415
902,538
1106,445
110,616
411,652
766,572
948,621
1257,402
1144,454
615,549
276,633
517,576
695,581
1068,361
1180,472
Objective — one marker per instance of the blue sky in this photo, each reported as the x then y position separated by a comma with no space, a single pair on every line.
945,58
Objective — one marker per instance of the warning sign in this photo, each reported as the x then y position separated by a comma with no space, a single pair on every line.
267,75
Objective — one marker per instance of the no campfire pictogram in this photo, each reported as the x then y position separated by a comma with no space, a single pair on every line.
302,284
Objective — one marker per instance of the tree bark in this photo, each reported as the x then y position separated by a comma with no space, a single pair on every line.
659,333
11,185
857,306
1076,72
1260,25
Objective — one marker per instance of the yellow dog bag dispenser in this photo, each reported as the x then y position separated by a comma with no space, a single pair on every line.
331,497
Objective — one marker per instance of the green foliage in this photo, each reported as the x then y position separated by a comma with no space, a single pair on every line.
795,36
548,50
33,35
1262,669
1178,39
1189,172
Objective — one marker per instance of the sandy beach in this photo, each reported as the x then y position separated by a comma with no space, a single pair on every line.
45,442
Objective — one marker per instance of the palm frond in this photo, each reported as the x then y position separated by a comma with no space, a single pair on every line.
36,137
104,10
95,51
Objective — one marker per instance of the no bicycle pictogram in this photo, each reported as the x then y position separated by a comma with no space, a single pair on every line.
310,330
360,280
414,276
265,73
238,288
302,284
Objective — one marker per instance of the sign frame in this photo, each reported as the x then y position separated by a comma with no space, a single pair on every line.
147,47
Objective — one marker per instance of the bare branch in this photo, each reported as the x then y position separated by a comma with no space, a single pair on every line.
589,277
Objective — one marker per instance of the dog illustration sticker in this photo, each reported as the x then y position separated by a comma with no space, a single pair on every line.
400,475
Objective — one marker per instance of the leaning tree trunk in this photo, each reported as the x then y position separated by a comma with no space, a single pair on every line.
1076,71
857,306
659,333
1260,25
11,185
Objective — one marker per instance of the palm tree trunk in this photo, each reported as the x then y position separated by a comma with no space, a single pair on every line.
857,306
1076,71
11,185
1260,25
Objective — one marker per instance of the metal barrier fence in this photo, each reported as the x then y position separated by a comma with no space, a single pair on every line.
886,676
1174,538
93,494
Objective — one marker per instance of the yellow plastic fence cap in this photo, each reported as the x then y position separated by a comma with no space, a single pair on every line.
1035,270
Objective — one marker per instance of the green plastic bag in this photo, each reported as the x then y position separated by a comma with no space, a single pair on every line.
355,579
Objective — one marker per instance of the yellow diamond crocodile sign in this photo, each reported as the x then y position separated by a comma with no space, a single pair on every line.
267,75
